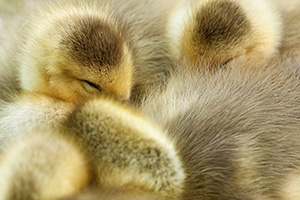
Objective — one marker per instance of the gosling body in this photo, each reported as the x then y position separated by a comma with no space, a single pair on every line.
237,130
42,165
113,151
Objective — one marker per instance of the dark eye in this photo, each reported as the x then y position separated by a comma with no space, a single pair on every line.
225,63
93,85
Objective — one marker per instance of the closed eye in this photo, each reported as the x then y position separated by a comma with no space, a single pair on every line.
225,63
93,85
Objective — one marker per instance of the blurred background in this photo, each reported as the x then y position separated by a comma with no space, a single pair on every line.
10,7
10,12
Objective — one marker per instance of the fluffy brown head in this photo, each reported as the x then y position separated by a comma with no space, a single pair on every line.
93,43
216,31
220,28
76,51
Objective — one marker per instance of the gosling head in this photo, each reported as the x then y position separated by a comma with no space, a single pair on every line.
73,53
216,31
